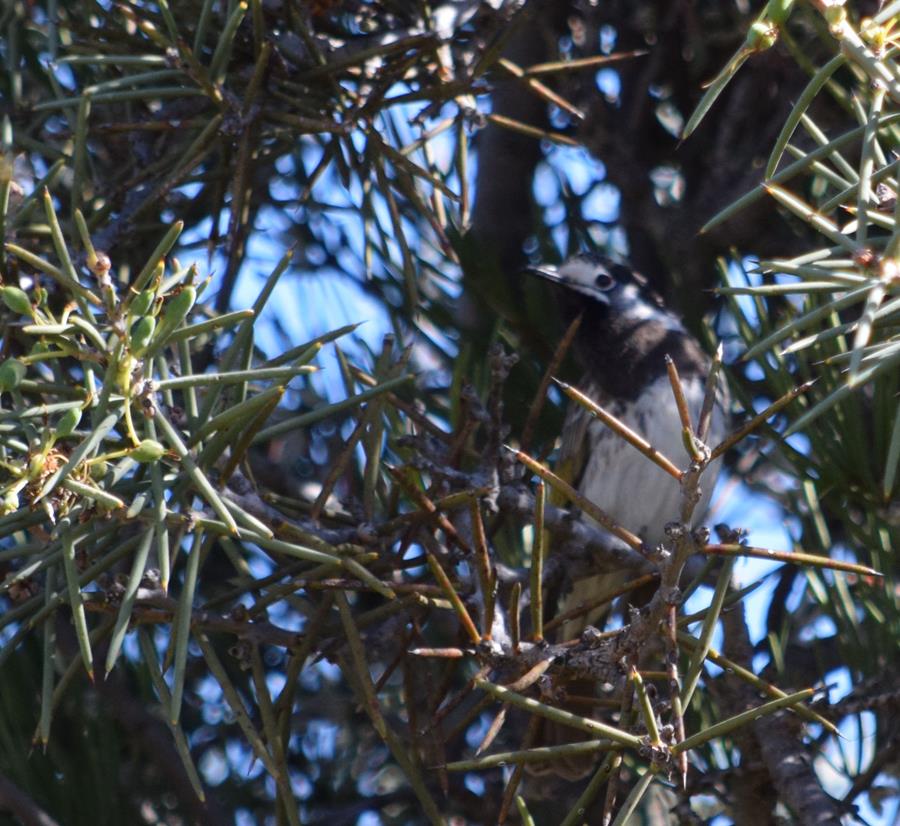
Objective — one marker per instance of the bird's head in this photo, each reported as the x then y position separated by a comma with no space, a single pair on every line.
605,290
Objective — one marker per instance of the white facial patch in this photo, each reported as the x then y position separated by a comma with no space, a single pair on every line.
581,274
630,302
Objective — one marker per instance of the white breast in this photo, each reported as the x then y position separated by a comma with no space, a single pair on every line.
634,491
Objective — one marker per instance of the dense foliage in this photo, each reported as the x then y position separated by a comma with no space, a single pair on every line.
262,564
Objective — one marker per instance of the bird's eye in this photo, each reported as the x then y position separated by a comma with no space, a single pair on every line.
604,281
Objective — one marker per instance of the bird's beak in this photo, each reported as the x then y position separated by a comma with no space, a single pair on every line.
546,271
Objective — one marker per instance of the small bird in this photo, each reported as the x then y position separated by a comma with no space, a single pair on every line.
625,335
626,332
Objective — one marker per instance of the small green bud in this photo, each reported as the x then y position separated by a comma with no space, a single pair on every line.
141,303
99,469
175,310
148,450
142,334
68,422
178,306
17,300
762,35
12,371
